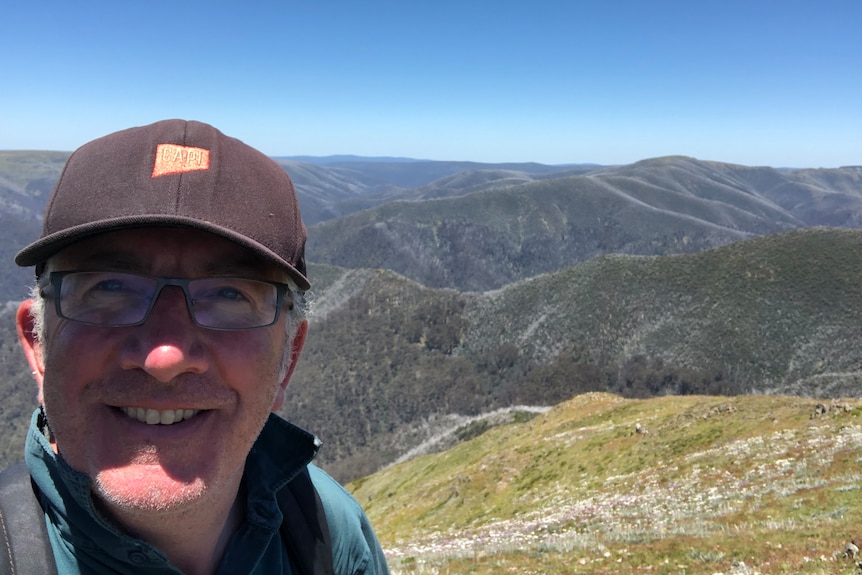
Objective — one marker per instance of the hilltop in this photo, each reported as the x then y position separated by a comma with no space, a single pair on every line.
601,484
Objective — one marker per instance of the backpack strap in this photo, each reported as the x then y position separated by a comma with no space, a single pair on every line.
304,530
24,545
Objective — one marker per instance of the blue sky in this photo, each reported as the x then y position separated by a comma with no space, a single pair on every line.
751,82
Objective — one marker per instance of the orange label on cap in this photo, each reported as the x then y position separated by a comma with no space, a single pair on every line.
174,159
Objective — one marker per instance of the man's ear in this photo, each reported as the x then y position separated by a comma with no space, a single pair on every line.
29,342
295,349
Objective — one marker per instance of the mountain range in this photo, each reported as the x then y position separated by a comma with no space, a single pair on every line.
444,290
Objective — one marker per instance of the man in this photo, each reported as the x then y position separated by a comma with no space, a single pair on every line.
164,327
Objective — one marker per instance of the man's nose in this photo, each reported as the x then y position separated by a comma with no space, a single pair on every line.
168,343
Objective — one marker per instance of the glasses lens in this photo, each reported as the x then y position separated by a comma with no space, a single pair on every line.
106,298
121,299
233,303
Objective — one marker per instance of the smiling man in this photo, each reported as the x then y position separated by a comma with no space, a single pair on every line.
165,324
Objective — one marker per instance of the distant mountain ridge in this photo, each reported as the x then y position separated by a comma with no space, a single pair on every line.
518,225
349,158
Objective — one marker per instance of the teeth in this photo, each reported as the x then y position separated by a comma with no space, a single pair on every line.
155,417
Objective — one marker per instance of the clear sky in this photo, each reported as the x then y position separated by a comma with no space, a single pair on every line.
755,82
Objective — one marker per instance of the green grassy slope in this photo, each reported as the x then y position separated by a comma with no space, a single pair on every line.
600,484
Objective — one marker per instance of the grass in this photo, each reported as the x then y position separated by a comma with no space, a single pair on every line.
707,483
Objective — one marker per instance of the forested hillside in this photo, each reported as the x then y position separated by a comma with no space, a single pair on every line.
387,356
26,181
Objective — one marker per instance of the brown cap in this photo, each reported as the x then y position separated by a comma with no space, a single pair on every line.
175,173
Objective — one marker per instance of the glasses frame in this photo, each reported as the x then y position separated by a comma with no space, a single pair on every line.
56,281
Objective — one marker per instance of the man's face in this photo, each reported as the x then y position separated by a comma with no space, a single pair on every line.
96,380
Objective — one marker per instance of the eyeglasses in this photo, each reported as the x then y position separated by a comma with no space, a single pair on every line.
117,299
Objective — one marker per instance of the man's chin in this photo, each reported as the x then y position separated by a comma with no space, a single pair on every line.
146,488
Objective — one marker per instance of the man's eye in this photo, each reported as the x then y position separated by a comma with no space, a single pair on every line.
230,293
109,285
226,293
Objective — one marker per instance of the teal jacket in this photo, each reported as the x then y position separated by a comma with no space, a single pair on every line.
85,543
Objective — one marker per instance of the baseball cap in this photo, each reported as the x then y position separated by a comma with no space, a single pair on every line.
175,173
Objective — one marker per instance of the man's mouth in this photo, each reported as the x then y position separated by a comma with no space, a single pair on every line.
159,417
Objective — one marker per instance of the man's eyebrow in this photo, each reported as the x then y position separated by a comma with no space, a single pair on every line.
123,261
233,268
112,260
